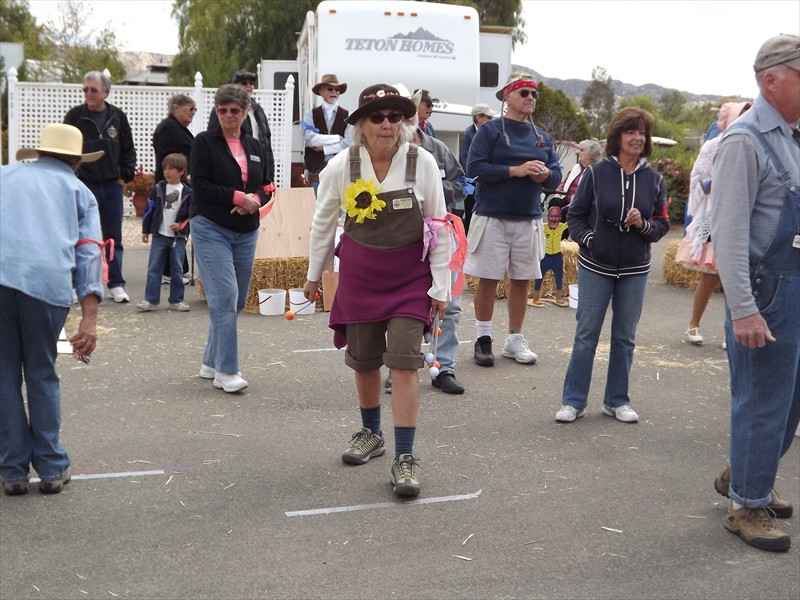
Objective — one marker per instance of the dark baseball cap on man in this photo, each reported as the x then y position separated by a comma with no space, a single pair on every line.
243,75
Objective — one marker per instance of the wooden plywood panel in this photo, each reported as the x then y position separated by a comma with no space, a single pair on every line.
285,231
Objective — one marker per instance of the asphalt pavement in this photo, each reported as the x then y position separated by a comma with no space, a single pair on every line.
184,491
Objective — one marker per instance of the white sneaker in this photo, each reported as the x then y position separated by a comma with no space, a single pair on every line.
207,372
144,305
694,336
165,280
118,294
187,278
622,413
567,414
518,350
179,306
229,382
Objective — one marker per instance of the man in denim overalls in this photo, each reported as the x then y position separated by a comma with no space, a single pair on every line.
756,237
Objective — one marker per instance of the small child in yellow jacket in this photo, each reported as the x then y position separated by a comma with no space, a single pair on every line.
553,260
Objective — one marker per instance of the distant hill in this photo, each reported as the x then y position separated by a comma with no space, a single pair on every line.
574,88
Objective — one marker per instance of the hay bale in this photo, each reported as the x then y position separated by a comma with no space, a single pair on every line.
569,250
277,273
676,274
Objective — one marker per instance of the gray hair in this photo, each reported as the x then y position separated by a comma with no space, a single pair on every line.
231,92
357,135
779,71
593,148
179,100
101,77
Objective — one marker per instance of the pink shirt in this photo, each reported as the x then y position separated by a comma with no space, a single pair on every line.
238,152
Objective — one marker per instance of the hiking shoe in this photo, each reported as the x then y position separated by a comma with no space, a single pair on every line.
782,509
16,489
118,294
756,528
229,382
448,383
387,385
518,350
207,372
622,413
179,306
404,475
567,413
363,445
144,305
483,351
54,486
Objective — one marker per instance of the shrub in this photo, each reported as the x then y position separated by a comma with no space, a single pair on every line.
677,178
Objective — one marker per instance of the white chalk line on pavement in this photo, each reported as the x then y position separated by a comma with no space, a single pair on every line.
357,507
111,475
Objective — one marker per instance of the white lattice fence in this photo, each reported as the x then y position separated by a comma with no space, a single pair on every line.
32,105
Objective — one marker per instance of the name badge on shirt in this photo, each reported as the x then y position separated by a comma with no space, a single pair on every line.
441,173
402,203
255,158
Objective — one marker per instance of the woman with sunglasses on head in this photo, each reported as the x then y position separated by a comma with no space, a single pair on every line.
620,208
393,270
513,160
172,136
230,184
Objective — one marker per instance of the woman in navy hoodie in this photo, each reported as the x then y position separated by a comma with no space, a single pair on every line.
620,208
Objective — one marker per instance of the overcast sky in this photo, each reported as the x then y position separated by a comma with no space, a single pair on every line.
703,47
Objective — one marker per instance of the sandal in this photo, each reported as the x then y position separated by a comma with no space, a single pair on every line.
535,303
561,302
694,336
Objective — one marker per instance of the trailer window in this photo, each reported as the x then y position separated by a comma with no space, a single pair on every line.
279,83
490,73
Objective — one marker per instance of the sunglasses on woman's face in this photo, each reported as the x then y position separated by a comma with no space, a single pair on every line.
525,93
233,111
377,118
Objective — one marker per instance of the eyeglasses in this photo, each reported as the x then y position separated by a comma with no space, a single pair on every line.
331,89
93,90
525,93
225,111
192,109
377,118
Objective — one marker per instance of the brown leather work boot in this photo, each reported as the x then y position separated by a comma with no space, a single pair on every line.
781,508
756,528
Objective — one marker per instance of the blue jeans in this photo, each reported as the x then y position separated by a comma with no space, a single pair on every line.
595,292
447,347
160,246
109,202
226,265
29,331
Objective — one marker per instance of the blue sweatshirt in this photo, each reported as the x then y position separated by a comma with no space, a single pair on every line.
498,194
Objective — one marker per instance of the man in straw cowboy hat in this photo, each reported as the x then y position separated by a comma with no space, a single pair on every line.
325,128
49,232
755,230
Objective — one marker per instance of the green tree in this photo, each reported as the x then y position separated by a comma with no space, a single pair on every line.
672,104
558,116
76,50
218,37
17,24
598,101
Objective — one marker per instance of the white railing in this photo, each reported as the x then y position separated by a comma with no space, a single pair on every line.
31,105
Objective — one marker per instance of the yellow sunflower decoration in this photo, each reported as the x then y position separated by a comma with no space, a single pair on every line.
360,200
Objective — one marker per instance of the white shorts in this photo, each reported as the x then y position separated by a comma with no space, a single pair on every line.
496,246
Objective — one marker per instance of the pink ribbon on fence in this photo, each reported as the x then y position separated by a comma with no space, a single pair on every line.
264,210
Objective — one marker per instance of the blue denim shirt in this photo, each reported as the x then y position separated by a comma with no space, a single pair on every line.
44,211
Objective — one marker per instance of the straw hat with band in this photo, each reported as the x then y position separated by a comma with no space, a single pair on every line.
515,81
60,139
379,97
331,80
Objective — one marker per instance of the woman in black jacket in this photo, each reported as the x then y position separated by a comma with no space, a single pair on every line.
230,183
620,208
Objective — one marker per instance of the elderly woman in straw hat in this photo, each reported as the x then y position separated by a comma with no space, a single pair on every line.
513,160
39,200
393,275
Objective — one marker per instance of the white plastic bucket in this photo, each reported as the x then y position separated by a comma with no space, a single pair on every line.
573,295
271,302
298,303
